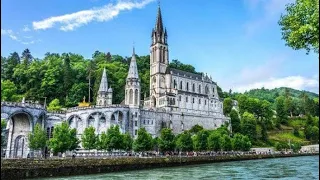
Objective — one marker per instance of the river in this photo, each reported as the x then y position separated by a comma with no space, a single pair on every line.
304,167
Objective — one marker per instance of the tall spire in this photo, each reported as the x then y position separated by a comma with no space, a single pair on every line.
159,24
133,69
104,82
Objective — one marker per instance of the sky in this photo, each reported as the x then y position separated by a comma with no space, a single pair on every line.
237,42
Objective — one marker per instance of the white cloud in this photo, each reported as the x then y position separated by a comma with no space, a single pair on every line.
10,33
69,22
295,82
13,36
26,29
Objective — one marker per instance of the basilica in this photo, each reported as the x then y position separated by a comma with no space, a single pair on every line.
178,100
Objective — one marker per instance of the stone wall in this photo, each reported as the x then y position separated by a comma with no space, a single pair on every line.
28,168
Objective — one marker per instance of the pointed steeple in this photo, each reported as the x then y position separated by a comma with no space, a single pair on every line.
104,82
133,69
159,24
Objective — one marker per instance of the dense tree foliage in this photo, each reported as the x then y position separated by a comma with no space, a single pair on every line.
143,141
64,139
167,140
300,25
227,106
235,121
184,142
89,138
37,139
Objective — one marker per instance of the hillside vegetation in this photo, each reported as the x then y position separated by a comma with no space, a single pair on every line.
267,117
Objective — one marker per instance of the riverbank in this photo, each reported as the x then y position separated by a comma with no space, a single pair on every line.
28,168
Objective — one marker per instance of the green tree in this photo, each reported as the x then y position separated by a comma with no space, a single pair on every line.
200,140
246,143
282,116
213,141
114,137
166,142
54,105
225,143
184,142
37,138
63,139
248,126
155,143
195,129
8,67
235,121
127,142
300,25
143,141
227,106
103,141
67,74
8,91
3,127
89,138
26,57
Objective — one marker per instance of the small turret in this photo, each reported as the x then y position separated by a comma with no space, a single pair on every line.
104,94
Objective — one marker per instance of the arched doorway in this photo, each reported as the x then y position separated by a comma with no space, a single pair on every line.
20,125
117,118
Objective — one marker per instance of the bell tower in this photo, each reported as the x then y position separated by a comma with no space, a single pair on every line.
159,60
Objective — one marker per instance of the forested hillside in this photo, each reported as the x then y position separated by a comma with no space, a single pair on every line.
66,76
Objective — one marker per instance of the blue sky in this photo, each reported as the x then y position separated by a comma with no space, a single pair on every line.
237,42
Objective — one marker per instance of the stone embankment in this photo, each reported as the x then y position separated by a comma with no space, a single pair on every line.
34,168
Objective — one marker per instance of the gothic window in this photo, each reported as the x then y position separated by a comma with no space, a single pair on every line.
148,122
135,132
174,84
162,82
205,102
199,89
179,98
136,114
144,121
136,96
186,99
48,133
160,54
131,96
154,80
187,86
136,123
192,100
199,101
180,85
182,126
212,90
193,88
207,90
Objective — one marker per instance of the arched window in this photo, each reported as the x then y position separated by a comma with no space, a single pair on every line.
186,99
193,88
212,90
179,98
136,97
187,86
205,102
207,89
192,100
199,101
48,132
174,84
199,88
160,54
180,85
131,96
182,126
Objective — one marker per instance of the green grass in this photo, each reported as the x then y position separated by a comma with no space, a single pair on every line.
297,123
285,137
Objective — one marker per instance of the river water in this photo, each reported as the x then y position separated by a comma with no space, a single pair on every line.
305,167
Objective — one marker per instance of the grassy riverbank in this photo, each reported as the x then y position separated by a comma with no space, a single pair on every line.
28,168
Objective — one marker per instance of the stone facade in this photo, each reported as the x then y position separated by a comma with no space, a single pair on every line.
178,100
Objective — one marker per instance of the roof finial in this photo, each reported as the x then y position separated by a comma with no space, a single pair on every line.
158,3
